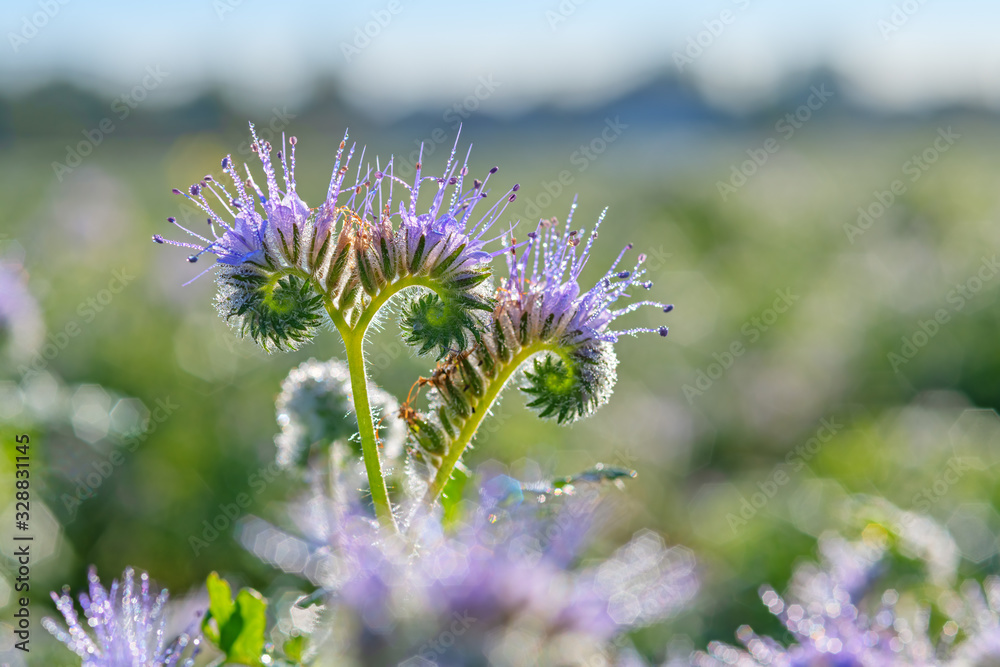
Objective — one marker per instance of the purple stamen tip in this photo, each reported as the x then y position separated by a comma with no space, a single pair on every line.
664,331
157,238
624,274
494,170
195,189
642,257
193,258
208,177
176,191
512,198
476,183
668,308
172,220
517,186
225,162
378,175
293,141
647,285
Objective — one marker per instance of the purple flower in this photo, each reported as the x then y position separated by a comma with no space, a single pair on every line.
280,261
541,303
21,326
542,288
831,627
284,232
509,580
129,626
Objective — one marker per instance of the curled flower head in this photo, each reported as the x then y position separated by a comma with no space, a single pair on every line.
540,315
541,293
315,407
540,301
280,262
129,626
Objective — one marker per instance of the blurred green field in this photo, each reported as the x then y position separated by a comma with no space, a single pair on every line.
751,428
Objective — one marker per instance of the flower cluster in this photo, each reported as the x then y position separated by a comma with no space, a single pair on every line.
541,315
280,261
128,625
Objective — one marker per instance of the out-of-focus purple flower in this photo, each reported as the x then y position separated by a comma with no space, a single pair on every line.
975,614
831,627
509,581
21,327
128,626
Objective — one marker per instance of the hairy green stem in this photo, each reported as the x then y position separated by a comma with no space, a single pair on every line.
354,338
389,291
354,343
471,425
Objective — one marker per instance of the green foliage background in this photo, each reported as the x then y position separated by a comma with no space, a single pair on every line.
722,262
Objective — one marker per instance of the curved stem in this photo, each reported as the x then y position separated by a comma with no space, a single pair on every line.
353,338
369,443
389,291
469,428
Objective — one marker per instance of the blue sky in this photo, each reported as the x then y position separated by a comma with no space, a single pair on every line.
429,54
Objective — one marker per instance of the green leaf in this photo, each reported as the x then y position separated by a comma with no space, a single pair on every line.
294,648
248,639
239,625
220,606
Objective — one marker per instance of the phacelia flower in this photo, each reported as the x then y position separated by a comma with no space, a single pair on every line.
280,261
128,626
541,302
541,314
315,407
